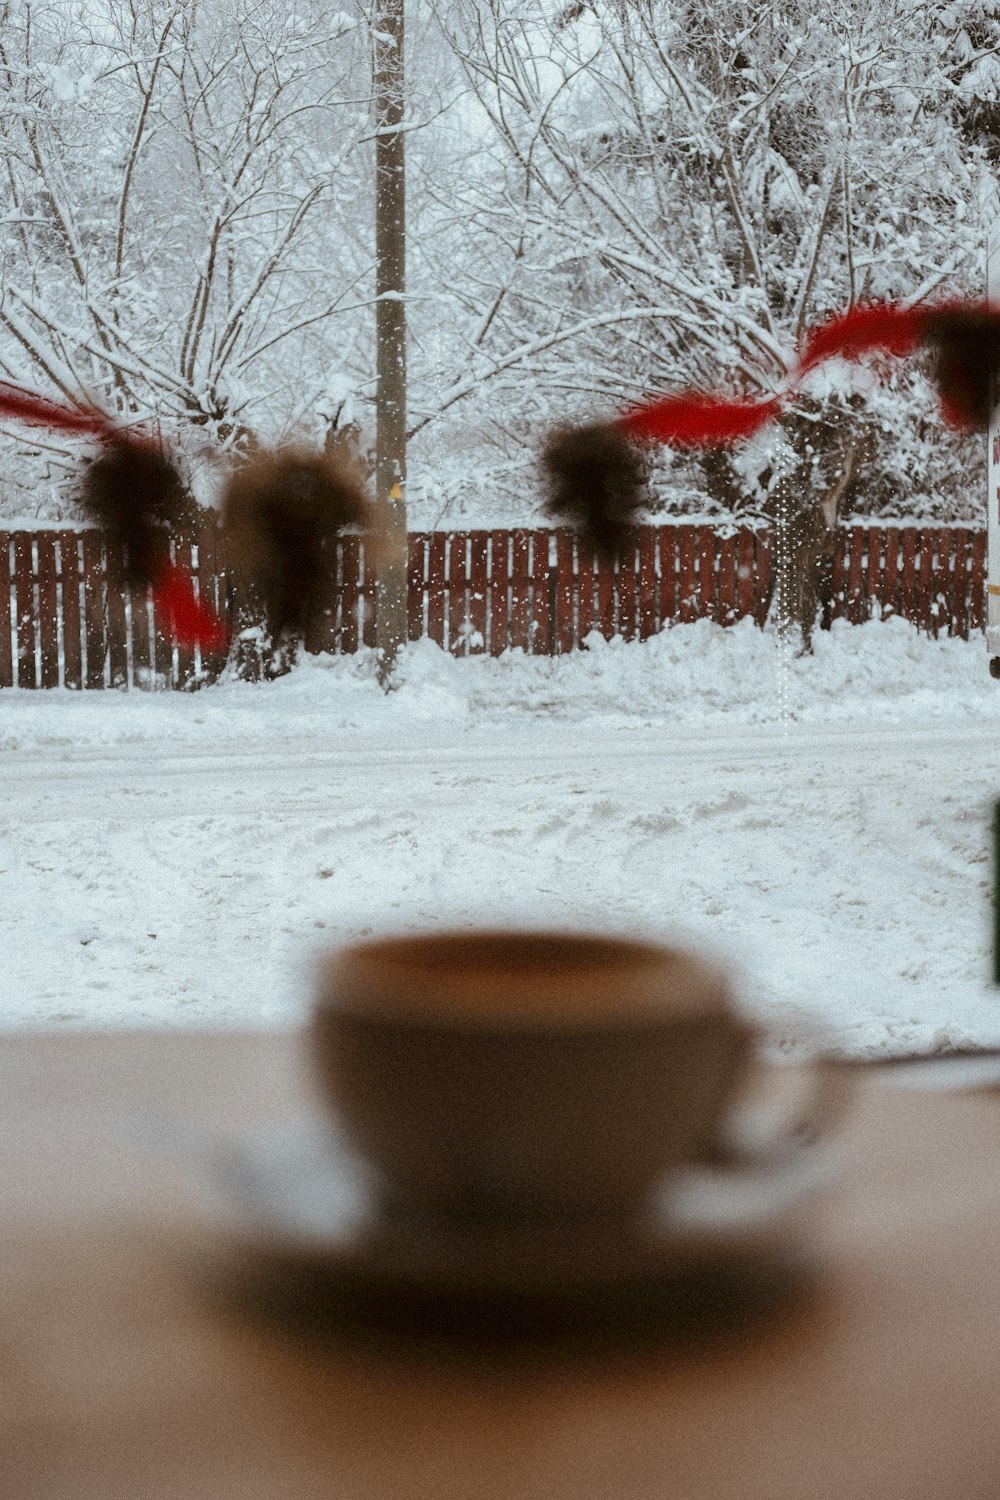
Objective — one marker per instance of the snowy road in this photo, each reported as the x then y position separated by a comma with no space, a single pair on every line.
845,870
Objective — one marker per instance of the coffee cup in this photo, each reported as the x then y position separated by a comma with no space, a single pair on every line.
500,1073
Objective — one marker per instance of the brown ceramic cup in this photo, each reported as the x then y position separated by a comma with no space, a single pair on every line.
497,1073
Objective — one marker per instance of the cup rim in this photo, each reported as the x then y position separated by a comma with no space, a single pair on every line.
499,977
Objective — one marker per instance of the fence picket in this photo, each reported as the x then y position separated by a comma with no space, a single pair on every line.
628,601
24,594
520,589
925,581
416,584
687,552
162,646
890,574
436,567
368,593
873,576
707,581
587,612
479,574
943,583
565,625
114,565
499,619
48,610
726,607
908,577
744,574
350,592
607,611
458,594
70,614
184,563
856,607
211,592
6,621
648,600
765,568
541,600
143,652
959,623
667,547
93,607
321,624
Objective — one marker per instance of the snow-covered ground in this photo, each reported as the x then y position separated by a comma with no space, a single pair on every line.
824,824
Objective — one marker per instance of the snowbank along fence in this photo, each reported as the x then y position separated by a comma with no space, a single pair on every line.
68,618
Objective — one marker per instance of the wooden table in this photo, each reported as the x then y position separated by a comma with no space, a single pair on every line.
119,1380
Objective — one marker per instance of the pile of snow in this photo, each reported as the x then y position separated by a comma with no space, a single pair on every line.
690,676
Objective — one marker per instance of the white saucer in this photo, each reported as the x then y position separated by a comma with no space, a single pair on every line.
299,1205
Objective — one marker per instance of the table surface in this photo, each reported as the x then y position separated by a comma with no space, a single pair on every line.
120,1378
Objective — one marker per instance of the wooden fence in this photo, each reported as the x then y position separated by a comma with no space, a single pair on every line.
67,618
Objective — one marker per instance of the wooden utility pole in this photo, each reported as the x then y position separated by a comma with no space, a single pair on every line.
390,330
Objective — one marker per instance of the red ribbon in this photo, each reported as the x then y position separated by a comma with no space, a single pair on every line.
703,420
173,593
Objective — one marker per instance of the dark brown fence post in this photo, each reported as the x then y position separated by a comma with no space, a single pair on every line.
24,595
